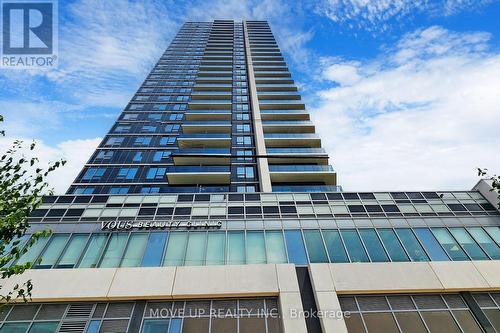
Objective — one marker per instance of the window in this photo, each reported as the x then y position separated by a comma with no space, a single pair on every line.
430,244
167,140
94,249
73,251
244,140
275,247
295,247
242,116
256,249
154,116
176,116
176,247
154,249
104,155
354,246
135,248
486,242
171,128
114,250
242,128
161,155
373,246
315,248
159,107
216,245
392,244
195,252
468,244
245,172
122,129
150,189
235,247
247,189
53,250
148,129
410,242
156,173
83,190
334,246
114,141
138,156
118,190
142,141
449,244
94,173
126,173
244,153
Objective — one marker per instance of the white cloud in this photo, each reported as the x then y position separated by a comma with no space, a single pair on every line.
75,152
423,115
373,15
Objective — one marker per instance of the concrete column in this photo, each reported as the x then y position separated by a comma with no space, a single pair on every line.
260,144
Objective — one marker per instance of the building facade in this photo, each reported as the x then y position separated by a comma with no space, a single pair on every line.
210,206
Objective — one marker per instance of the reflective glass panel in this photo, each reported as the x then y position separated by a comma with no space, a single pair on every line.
176,249
195,252
411,245
354,247
295,247
256,250
334,246
155,326
93,251
392,244
431,245
33,251
154,249
486,242
468,244
14,327
73,251
315,248
135,249
449,244
275,247
440,321
373,246
235,248
114,250
44,327
216,245
53,250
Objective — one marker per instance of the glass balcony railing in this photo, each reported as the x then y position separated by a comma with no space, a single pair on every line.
307,188
300,168
206,123
205,136
208,111
210,101
287,123
207,151
290,136
295,151
196,168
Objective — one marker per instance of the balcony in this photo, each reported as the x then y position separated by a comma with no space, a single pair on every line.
204,141
197,115
281,104
277,81
288,127
281,140
211,156
297,156
189,175
209,104
271,74
275,87
212,87
211,95
281,95
215,74
306,188
284,115
213,79
190,127
303,174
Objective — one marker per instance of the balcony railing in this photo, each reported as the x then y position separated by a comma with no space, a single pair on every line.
300,168
295,151
306,188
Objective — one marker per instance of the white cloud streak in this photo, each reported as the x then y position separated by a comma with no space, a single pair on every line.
422,116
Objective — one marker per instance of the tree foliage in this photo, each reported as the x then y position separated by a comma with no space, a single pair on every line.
22,184
495,182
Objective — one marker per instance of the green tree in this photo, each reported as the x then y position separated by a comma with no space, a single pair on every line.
495,182
22,184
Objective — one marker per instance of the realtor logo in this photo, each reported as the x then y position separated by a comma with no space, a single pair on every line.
29,33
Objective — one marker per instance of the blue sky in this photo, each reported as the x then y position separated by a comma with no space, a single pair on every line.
404,93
